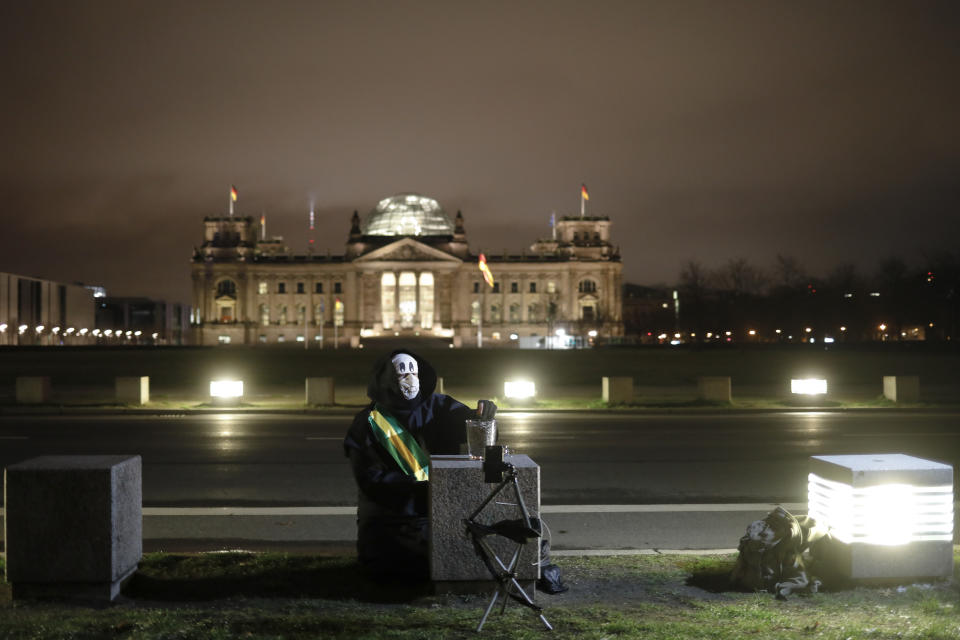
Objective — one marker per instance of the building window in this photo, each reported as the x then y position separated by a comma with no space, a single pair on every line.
533,287
495,315
596,237
476,287
318,288
496,287
300,287
474,312
300,339
337,288
551,287
281,338
223,339
338,313
262,288
533,312
318,313
301,314
263,339
388,300
281,287
514,287
264,314
227,288
283,314
426,300
407,293
515,312
576,236
586,313
588,286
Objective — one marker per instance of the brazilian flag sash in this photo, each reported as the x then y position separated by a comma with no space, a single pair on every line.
400,444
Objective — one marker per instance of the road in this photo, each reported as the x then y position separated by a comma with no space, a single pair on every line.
656,469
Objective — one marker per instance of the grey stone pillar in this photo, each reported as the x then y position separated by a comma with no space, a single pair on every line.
714,389
33,390
73,525
133,390
617,389
456,490
320,391
901,388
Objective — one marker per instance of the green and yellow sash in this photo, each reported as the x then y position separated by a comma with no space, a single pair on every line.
400,444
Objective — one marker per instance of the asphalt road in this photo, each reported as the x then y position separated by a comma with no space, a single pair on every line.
656,470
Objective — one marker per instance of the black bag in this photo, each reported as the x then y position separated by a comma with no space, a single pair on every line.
551,580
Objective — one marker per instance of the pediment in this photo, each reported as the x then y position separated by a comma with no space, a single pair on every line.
407,250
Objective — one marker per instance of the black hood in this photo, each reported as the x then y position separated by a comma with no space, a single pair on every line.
384,388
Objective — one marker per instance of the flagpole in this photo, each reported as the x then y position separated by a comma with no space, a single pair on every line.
583,205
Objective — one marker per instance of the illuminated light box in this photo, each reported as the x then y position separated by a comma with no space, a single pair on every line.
809,386
890,514
519,389
226,389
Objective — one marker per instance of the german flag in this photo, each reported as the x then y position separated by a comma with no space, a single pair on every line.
583,192
485,270
233,193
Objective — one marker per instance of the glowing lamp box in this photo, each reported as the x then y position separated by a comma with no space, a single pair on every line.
890,515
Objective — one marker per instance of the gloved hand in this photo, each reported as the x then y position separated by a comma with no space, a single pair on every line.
486,409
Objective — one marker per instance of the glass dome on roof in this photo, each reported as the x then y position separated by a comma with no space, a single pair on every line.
407,214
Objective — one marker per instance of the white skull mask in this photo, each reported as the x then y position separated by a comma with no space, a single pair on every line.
407,375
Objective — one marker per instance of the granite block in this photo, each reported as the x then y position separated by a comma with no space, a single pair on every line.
901,388
73,524
133,389
714,389
616,390
457,488
320,391
33,389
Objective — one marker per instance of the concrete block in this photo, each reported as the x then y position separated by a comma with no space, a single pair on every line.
714,389
456,490
33,390
617,389
891,515
320,391
73,525
133,390
901,388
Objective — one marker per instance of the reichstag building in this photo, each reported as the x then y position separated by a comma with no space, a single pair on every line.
406,270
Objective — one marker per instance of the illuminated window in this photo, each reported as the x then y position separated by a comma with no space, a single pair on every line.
474,312
262,288
264,314
551,287
426,300
515,312
301,314
318,313
338,313
263,339
388,299
283,314
223,339
407,295
495,315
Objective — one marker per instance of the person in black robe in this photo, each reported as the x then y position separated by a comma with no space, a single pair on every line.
392,523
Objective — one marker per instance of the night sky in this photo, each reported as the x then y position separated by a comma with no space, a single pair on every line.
715,130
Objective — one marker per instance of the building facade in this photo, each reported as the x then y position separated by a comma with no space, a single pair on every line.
44,312
406,270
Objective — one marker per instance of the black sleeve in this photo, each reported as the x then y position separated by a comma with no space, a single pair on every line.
447,432
377,475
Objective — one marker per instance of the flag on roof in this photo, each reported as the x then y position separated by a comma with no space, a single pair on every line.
583,192
485,270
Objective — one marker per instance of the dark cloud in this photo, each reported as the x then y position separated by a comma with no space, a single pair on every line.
706,130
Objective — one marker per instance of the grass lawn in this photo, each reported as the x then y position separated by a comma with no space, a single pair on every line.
663,377
274,595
